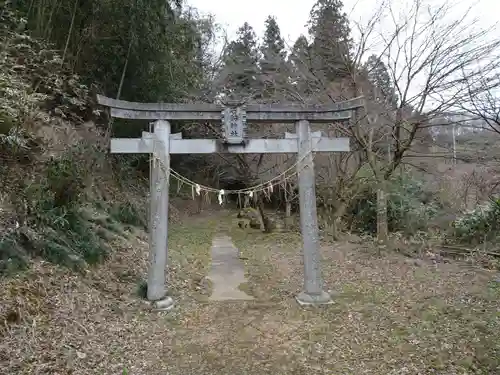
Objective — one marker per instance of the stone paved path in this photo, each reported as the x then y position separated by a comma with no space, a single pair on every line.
227,271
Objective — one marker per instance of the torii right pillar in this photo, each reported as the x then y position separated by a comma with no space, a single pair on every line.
313,293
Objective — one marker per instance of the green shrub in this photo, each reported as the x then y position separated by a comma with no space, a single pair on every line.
34,84
53,226
142,289
56,207
409,207
127,213
37,89
479,225
12,254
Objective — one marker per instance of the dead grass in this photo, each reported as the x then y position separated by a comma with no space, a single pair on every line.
390,316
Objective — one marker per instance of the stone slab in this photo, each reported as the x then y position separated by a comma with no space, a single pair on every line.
227,272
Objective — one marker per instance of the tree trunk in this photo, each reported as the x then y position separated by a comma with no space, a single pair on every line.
288,213
199,203
75,7
337,219
382,227
288,208
264,223
288,203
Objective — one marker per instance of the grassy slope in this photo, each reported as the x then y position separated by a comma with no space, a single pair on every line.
390,316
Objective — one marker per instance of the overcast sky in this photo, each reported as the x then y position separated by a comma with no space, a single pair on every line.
231,14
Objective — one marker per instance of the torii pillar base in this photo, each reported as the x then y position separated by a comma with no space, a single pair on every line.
164,304
305,299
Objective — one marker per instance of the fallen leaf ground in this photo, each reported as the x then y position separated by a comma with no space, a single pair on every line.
390,316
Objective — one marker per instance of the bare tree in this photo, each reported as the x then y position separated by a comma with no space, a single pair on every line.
426,50
483,102
426,53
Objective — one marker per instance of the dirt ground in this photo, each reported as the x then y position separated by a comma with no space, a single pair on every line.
391,315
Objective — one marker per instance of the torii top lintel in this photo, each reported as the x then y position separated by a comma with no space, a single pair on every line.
254,112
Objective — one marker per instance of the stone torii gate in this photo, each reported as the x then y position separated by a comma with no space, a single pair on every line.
234,118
